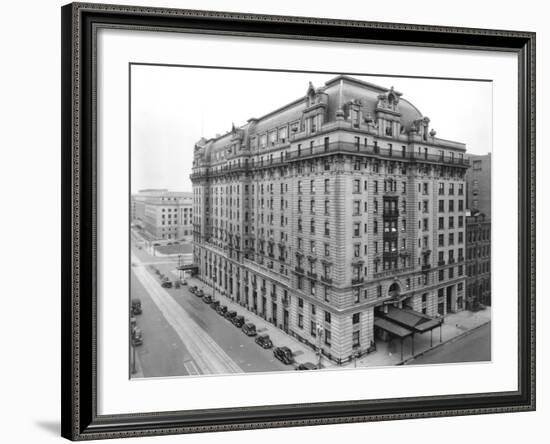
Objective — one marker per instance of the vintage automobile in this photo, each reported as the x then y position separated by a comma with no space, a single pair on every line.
166,284
193,289
136,306
207,299
283,354
199,293
221,309
264,341
137,336
133,322
306,366
249,329
238,321
229,315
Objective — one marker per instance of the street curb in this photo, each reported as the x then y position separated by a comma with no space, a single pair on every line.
449,341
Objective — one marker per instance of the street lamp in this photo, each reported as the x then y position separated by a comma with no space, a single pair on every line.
320,330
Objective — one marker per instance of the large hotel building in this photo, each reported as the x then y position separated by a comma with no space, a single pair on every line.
332,212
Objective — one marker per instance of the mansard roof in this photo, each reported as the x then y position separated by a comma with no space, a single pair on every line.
339,91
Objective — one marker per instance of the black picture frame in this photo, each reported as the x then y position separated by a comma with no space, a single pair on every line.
80,420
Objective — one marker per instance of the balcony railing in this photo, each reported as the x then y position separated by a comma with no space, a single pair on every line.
326,279
426,267
325,149
357,281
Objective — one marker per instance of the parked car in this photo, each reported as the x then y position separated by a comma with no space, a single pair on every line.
207,299
238,321
199,293
264,341
136,306
230,314
221,309
137,336
133,322
249,329
283,354
215,304
193,289
183,282
166,284
306,366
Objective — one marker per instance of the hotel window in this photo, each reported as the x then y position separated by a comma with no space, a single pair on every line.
375,187
425,206
460,221
327,206
299,205
326,144
327,184
460,205
451,222
460,237
403,151
327,250
312,227
312,206
299,187
312,186
403,205
441,190
300,321
356,229
327,228
299,225
375,227
441,223
356,186
282,134
476,164
451,205
356,250
441,240
312,287
451,239
327,317
356,207
375,208
441,275
328,338
404,187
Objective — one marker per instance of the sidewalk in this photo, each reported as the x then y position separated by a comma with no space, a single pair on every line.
454,325
302,353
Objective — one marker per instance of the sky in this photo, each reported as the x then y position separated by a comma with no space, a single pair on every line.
173,107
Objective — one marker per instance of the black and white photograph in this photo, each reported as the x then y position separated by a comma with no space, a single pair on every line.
286,220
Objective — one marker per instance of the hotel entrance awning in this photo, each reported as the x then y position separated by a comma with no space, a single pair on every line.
392,328
412,320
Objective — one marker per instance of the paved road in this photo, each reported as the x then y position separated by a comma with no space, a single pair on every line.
473,347
183,335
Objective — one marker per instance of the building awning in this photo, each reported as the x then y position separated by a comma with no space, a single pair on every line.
413,320
392,328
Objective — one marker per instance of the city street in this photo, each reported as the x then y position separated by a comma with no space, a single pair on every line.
475,346
183,335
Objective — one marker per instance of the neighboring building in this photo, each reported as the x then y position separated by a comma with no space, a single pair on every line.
478,185
163,214
478,261
478,232
331,214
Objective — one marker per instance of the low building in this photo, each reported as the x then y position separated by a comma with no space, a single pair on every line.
163,214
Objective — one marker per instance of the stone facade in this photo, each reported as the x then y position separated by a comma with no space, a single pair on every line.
164,215
329,209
